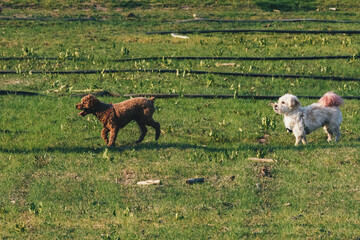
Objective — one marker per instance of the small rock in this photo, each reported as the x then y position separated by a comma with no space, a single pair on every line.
131,15
179,36
225,64
195,180
148,182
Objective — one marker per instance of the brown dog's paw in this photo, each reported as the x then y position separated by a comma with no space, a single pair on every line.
157,136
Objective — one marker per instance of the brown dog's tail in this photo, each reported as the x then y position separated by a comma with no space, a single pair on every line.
152,99
331,99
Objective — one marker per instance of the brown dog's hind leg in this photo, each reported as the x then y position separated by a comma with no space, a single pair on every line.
156,126
143,131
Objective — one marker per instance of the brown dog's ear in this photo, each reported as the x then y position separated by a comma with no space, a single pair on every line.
294,102
93,101
90,101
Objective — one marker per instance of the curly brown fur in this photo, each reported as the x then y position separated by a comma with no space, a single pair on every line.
116,116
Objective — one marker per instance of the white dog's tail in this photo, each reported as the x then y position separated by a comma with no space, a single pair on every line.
331,99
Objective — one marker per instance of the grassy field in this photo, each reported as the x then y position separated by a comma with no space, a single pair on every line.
59,181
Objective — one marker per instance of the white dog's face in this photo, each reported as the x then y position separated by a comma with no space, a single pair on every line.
286,104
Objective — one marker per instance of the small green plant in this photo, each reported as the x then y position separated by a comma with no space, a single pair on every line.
209,81
267,124
219,52
41,160
18,68
124,51
69,54
28,52
20,227
260,153
214,135
36,208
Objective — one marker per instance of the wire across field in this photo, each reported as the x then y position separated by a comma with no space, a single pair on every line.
183,21
258,31
191,58
264,20
177,71
167,96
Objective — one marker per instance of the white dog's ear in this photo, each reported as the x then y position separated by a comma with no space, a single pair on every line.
294,102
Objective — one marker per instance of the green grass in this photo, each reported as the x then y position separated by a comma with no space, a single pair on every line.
59,181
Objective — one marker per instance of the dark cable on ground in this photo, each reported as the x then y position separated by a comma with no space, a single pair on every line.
185,21
257,31
266,20
48,19
191,58
166,96
334,78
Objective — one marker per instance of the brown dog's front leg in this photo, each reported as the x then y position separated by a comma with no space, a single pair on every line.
104,134
113,135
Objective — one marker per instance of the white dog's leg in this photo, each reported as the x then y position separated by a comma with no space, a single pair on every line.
303,140
329,133
300,139
337,133
299,133
333,129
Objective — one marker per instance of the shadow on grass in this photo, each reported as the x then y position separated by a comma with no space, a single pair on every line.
180,146
119,148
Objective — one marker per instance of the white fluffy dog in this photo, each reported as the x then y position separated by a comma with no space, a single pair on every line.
304,120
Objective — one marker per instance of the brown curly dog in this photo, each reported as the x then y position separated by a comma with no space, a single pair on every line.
116,116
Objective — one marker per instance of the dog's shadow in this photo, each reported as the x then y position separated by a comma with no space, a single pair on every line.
159,146
180,146
119,148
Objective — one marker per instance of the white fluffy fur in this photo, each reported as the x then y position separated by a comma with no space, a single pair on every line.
304,120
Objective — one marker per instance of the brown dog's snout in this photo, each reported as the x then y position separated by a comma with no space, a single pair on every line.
78,106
